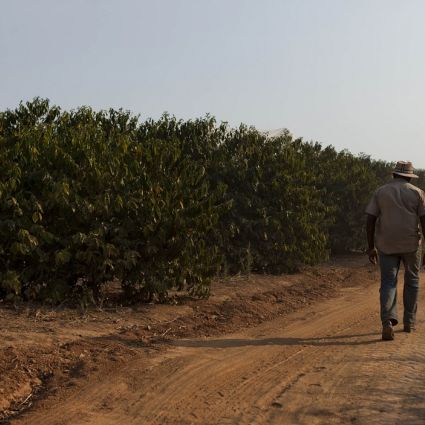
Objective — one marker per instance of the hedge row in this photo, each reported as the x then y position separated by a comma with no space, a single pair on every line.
87,197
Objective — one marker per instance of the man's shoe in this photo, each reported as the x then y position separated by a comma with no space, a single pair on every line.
408,327
388,331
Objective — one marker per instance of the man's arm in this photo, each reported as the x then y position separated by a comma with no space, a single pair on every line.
422,219
370,230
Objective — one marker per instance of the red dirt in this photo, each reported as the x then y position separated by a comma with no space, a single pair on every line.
47,354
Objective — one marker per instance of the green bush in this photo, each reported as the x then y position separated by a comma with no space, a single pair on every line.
347,183
87,197
275,222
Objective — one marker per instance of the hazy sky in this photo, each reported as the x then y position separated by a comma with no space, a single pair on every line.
350,73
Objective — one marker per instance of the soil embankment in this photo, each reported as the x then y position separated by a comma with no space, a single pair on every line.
300,349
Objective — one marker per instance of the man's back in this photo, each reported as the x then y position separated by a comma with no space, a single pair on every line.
397,205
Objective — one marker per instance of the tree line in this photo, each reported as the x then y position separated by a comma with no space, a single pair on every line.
90,196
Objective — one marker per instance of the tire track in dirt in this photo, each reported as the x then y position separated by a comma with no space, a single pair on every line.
325,364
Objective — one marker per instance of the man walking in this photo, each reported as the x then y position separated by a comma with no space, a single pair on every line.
395,211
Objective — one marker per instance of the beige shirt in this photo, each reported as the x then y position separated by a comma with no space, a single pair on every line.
398,206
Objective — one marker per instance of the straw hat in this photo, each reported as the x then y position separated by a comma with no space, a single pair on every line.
405,169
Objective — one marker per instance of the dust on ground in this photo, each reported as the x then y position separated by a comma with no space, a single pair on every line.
48,352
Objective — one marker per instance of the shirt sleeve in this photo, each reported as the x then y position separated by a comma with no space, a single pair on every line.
373,207
421,209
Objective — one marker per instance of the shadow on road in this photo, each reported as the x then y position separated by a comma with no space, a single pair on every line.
340,340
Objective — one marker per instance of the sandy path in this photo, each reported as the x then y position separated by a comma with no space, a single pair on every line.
325,364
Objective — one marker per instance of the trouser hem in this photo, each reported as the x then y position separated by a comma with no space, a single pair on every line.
394,321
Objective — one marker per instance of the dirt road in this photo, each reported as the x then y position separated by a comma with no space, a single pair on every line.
324,364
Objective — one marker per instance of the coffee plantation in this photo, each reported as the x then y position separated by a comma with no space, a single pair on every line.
89,197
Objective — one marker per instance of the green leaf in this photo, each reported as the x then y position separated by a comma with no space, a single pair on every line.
62,257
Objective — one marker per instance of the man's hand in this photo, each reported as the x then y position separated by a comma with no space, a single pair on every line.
422,220
373,255
370,230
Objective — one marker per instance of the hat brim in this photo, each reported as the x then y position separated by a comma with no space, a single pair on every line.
413,176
